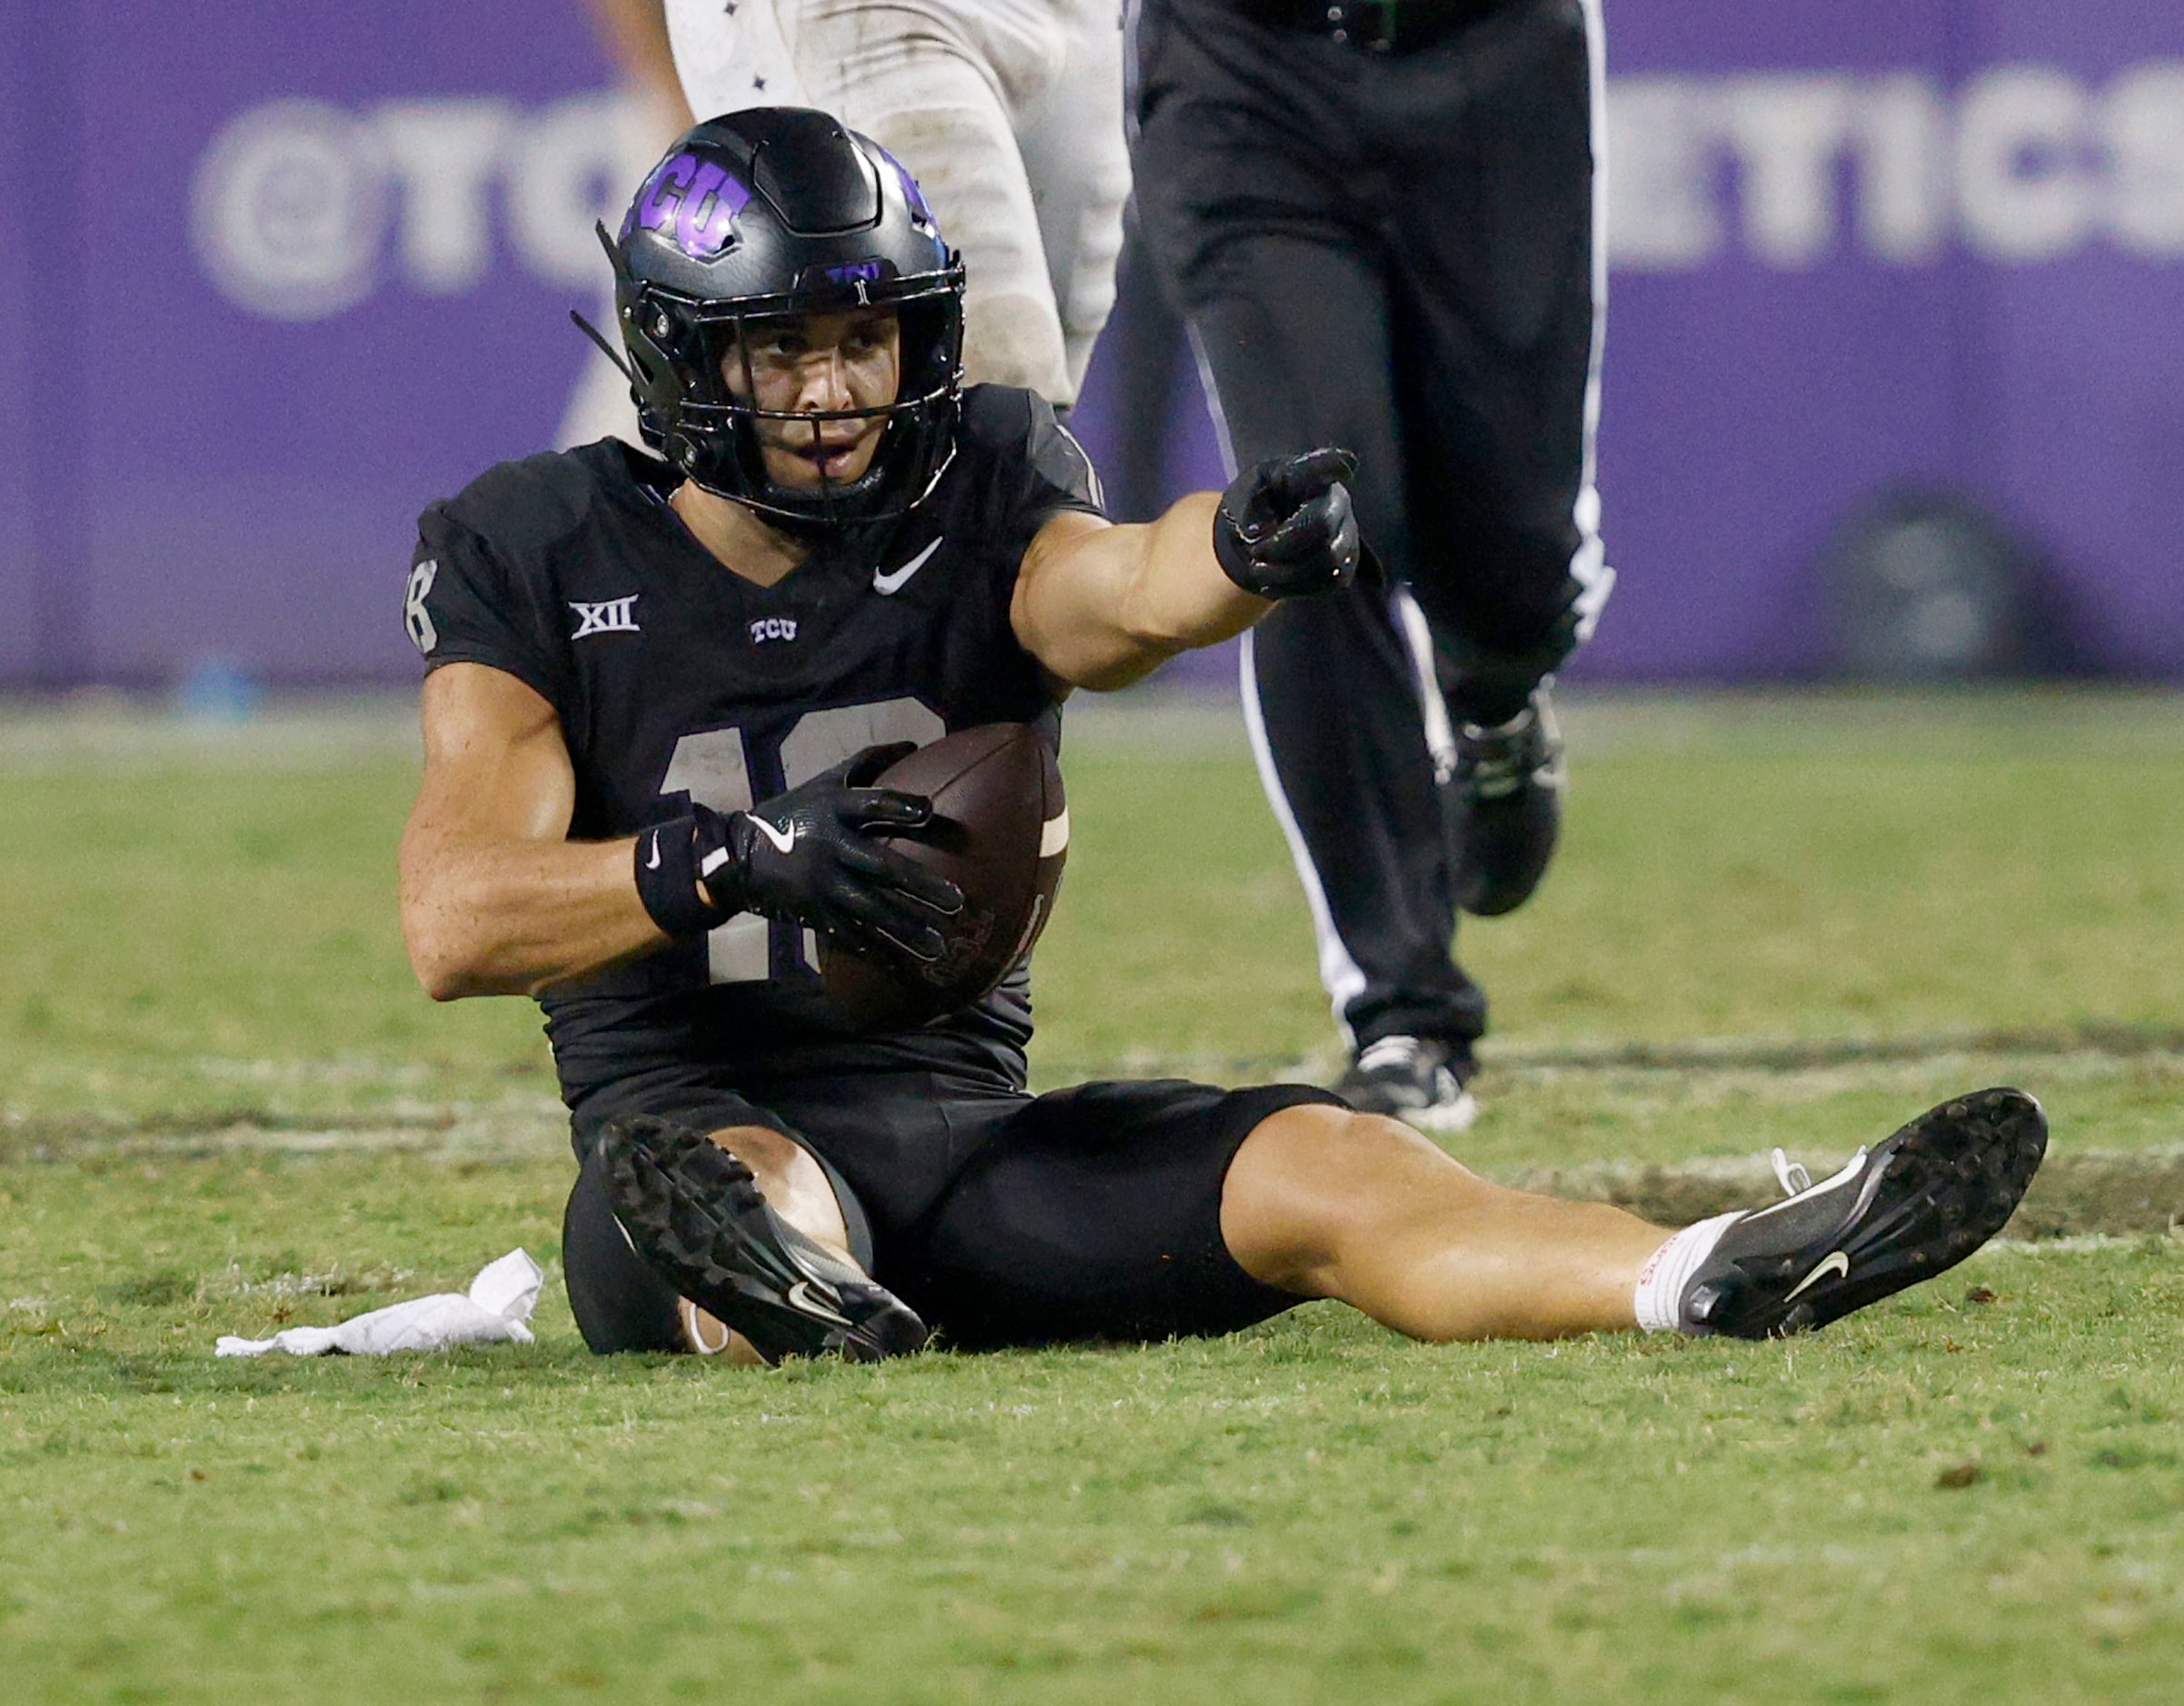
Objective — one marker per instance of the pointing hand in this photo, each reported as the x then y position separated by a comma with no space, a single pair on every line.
1285,528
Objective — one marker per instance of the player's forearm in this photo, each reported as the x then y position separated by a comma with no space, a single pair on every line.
514,918
1160,593
1180,597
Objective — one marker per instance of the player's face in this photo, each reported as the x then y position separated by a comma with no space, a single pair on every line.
816,364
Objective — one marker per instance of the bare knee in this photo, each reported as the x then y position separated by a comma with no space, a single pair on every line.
1312,1183
765,1152
797,1188
794,1185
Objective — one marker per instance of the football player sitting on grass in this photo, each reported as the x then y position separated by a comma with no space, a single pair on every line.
660,690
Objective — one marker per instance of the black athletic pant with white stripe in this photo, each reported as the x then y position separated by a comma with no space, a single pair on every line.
1394,250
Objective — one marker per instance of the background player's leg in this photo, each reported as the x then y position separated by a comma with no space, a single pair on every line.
1079,167
731,58
937,97
1329,1204
1495,285
1261,209
1292,336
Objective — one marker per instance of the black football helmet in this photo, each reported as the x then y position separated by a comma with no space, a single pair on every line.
782,210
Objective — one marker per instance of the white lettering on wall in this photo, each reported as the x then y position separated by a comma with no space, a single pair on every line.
2143,122
300,210
1663,203
445,157
303,210
1787,133
290,209
2024,173
2022,164
579,163
1903,170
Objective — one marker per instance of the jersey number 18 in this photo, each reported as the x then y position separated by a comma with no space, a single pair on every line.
713,766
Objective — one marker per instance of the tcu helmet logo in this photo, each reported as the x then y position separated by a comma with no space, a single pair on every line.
415,616
616,616
772,627
691,202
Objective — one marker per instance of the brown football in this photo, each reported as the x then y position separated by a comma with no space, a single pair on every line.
1000,832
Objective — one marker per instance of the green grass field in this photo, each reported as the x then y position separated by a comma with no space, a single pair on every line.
224,1108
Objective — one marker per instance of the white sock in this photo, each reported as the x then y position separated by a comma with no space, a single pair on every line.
1659,1299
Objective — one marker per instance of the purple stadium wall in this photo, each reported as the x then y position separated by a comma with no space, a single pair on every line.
272,278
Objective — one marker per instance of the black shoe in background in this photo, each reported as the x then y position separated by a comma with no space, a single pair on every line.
1505,807
1412,1078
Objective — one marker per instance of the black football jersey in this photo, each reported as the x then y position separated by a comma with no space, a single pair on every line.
677,680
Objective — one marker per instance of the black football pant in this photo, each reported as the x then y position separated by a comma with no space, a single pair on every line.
1391,251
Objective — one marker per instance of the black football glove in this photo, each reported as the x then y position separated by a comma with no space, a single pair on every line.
1285,528
810,854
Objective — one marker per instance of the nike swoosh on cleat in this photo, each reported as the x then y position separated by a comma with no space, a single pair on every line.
1835,1263
653,863
801,1297
782,839
888,585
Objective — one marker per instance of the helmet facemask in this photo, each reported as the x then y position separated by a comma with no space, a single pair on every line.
680,350
720,429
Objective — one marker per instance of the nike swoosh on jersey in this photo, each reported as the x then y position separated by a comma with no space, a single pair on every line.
888,585
1834,1262
782,839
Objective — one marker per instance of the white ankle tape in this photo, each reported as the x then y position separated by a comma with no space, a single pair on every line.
1659,1299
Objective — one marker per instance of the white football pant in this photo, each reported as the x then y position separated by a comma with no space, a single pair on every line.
1009,114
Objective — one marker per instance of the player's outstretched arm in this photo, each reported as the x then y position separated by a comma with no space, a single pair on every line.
1101,606
495,898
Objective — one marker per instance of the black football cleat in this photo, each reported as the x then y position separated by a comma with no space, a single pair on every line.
1505,807
1915,1205
692,1211
1412,1078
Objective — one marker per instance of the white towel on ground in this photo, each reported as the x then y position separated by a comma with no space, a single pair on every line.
498,1303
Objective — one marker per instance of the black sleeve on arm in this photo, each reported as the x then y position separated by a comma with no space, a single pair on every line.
1050,473
1024,469
463,605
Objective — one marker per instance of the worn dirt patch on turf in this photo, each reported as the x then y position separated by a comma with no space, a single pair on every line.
2079,1191
1793,1055
2089,1191
1819,1060
2120,1195
517,1126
